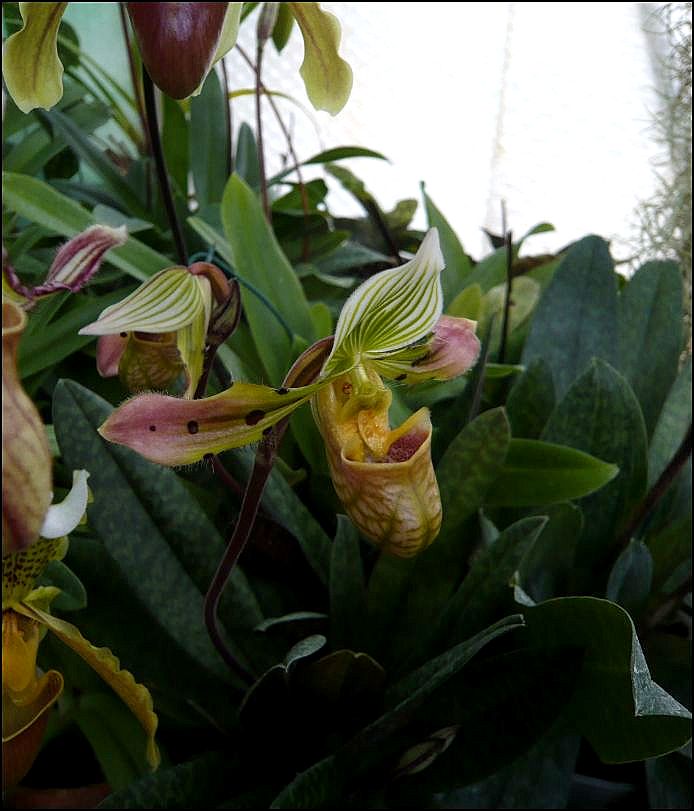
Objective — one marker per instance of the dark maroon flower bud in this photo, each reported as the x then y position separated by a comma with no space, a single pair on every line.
178,42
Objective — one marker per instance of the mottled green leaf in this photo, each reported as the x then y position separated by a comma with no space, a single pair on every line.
347,588
622,712
543,473
458,265
673,422
650,334
576,318
630,580
601,416
531,400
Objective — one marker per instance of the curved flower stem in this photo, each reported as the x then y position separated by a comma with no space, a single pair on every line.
160,164
305,370
507,298
264,460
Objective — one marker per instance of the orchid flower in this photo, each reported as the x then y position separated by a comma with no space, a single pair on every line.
74,265
179,44
391,326
160,329
34,533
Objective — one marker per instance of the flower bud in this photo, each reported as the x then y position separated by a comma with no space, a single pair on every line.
178,42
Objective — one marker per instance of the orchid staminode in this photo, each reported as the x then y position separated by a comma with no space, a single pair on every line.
391,326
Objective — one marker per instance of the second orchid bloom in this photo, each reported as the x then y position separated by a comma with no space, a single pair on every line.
390,327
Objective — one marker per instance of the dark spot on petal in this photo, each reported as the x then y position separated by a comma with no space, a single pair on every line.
267,430
424,357
124,335
193,427
152,427
402,376
254,417
282,390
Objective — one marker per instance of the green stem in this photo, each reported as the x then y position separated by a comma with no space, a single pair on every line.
160,165
259,132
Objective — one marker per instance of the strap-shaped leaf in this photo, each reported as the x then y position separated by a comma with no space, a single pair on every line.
391,310
327,77
168,301
33,73
103,662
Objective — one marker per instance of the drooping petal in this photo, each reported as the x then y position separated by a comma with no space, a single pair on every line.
328,78
385,481
33,73
149,362
62,518
178,42
391,310
168,301
452,350
135,695
26,457
21,569
173,431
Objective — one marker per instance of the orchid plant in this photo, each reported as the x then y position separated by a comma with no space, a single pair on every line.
370,522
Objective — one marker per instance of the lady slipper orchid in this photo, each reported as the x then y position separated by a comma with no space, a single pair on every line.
27,695
161,328
34,533
391,326
74,265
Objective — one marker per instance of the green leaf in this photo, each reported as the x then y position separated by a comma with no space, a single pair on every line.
41,204
341,152
410,594
672,425
531,400
540,778
247,164
671,553
669,781
467,304
327,782
576,319
622,712
258,259
458,265
650,334
601,416
145,518
486,590
115,736
630,580
202,781
546,569
347,588
542,473
87,150
208,141
175,139
73,596
283,27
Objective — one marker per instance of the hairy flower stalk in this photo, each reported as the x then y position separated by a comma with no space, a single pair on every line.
391,326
